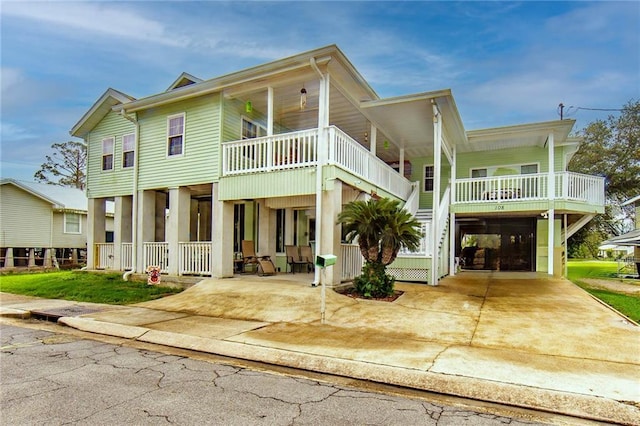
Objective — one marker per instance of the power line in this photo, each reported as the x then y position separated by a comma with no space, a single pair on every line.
574,109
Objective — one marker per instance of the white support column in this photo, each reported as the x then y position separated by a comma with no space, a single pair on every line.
401,165
121,227
437,167
452,216
146,231
373,138
221,236
266,231
95,228
330,238
47,257
323,142
32,258
270,117
288,227
551,187
178,229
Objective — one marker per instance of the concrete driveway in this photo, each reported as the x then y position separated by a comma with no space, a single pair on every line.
520,339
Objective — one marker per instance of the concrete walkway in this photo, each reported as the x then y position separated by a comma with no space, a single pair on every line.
519,339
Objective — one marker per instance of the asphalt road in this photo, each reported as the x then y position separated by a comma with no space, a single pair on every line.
51,375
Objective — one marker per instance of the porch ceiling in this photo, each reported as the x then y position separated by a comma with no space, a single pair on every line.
535,134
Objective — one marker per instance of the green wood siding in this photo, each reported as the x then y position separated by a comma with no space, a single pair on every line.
234,111
118,181
25,219
200,159
266,185
417,175
508,157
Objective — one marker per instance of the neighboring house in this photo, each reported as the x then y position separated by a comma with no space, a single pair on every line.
272,153
43,225
632,238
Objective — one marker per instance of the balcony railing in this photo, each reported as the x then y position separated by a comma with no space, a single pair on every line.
300,149
195,258
156,254
104,256
530,187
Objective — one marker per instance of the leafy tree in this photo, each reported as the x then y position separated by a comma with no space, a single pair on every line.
382,228
66,167
610,148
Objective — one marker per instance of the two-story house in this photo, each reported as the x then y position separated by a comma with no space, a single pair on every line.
272,153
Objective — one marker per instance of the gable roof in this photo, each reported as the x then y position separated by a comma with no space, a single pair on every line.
100,108
184,79
60,197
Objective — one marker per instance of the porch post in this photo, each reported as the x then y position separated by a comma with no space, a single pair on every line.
452,216
32,258
146,226
270,111
221,235
179,218
122,227
330,238
323,146
401,165
95,228
266,230
437,154
551,187
373,144
47,258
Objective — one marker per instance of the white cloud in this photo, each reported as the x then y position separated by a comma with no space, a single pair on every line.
117,21
13,132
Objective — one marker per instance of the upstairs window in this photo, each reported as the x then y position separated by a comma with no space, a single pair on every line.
528,169
72,223
428,178
252,130
175,134
478,173
107,153
128,150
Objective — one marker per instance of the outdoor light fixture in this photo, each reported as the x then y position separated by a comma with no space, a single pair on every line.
303,98
248,107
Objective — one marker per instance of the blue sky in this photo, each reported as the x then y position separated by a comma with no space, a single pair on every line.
506,62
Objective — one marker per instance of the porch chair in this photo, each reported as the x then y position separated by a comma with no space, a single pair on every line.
294,258
307,255
263,264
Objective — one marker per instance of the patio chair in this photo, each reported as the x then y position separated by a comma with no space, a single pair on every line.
263,264
307,255
293,258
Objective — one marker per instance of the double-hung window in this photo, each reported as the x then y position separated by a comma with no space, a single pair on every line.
128,150
428,178
107,153
175,134
72,223
527,169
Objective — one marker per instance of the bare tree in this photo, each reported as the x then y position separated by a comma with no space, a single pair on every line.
66,167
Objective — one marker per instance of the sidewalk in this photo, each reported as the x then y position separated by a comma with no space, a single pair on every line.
518,339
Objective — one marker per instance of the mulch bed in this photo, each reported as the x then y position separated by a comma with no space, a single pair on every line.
351,292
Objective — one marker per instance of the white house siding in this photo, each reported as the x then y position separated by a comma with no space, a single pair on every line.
25,219
199,162
62,240
114,182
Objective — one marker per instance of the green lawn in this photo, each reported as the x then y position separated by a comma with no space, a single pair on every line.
578,270
83,287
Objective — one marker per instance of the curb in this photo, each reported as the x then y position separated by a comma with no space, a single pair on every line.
571,404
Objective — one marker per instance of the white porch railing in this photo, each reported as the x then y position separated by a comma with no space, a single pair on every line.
352,261
156,254
567,186
104,255
300,149
126,256
195,258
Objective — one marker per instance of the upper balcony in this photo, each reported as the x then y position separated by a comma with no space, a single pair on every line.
528,191
300,149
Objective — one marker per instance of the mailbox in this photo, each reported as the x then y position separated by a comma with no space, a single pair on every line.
324,260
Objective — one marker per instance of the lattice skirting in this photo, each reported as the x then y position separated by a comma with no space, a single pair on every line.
409,274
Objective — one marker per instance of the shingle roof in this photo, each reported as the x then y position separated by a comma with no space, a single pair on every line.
59,196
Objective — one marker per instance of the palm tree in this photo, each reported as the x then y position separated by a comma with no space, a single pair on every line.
382,228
